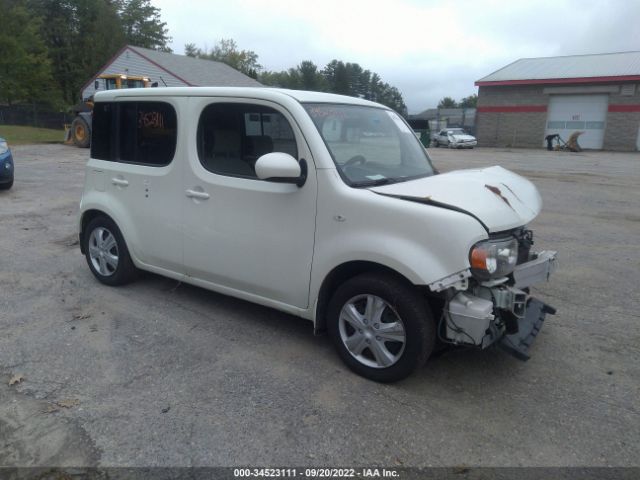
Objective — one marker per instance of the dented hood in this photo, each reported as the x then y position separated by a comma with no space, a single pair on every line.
498,198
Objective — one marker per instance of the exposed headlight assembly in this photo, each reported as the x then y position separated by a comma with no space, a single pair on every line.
494,258
4,148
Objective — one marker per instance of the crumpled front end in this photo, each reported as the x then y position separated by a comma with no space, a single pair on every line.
481,312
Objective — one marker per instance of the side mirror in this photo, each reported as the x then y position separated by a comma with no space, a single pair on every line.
282,168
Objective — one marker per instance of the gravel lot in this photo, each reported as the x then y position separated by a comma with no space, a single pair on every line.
162,374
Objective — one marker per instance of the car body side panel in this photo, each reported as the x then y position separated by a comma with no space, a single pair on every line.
360,225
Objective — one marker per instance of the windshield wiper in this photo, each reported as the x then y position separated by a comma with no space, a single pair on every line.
373,183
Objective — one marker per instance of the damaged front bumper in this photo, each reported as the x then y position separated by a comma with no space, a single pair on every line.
500,311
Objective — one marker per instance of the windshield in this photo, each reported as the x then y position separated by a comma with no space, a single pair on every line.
369,145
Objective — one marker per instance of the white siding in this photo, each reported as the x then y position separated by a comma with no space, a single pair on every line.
130,63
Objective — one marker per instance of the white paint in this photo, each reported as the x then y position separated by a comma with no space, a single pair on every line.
274,243
578,113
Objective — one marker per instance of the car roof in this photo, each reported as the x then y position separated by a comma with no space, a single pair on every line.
267,93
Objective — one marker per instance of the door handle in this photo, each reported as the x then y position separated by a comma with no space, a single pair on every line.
197,194
120,182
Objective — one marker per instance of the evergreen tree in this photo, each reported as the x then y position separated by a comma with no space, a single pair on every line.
142,25
25,69
447,102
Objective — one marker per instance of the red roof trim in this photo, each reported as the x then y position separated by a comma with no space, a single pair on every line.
624,108
162,68
512,109
546,81
103,68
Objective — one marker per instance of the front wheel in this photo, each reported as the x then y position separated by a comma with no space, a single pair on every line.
80,133
381,327
107,253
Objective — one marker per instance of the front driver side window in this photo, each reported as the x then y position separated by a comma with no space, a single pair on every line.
232,136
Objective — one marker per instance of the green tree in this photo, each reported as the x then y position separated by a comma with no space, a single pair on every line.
469,102
227,51
80,35
190,50
142,24
25,69
310,77
336,77
447,102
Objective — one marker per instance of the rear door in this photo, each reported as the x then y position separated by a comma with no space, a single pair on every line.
143,179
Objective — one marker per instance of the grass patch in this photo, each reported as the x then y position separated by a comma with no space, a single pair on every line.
19,135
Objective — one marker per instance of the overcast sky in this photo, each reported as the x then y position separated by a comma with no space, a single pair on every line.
427,49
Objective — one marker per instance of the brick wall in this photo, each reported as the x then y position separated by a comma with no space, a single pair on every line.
515,116
506,129
621,131
511,129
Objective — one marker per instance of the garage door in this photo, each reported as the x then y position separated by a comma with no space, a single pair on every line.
578,113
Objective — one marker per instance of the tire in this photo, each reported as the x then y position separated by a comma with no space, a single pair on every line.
6,186
80,132
102,241
436,144
401,311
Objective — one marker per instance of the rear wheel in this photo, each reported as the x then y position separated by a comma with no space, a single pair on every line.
80,132
381,327
107,253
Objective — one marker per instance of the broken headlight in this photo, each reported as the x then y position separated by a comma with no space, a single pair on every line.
494,258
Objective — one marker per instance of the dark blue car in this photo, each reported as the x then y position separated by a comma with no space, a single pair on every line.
6,165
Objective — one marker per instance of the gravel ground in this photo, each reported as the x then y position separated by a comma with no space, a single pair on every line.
162,374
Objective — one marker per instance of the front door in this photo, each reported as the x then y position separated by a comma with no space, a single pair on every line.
251,236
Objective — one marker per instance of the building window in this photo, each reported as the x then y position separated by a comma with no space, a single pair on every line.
575,125
595,125
556,125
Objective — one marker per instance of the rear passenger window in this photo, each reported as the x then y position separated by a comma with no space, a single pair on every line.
134,132
232,136
147,133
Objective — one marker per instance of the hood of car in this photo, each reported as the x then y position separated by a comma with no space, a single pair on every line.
499,199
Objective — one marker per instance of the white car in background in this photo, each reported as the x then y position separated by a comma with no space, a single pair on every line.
454,138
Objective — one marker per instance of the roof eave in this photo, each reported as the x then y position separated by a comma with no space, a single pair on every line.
546,81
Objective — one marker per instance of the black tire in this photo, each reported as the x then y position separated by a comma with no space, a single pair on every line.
6,186
436,144
407,304
80,132
125,271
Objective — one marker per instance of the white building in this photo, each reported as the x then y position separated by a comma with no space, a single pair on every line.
169,70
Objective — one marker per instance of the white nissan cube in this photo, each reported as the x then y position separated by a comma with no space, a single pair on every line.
322,206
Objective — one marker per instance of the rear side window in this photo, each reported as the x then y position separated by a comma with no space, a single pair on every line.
134,132
232,136
102,131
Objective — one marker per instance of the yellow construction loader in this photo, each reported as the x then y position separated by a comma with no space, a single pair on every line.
79,131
